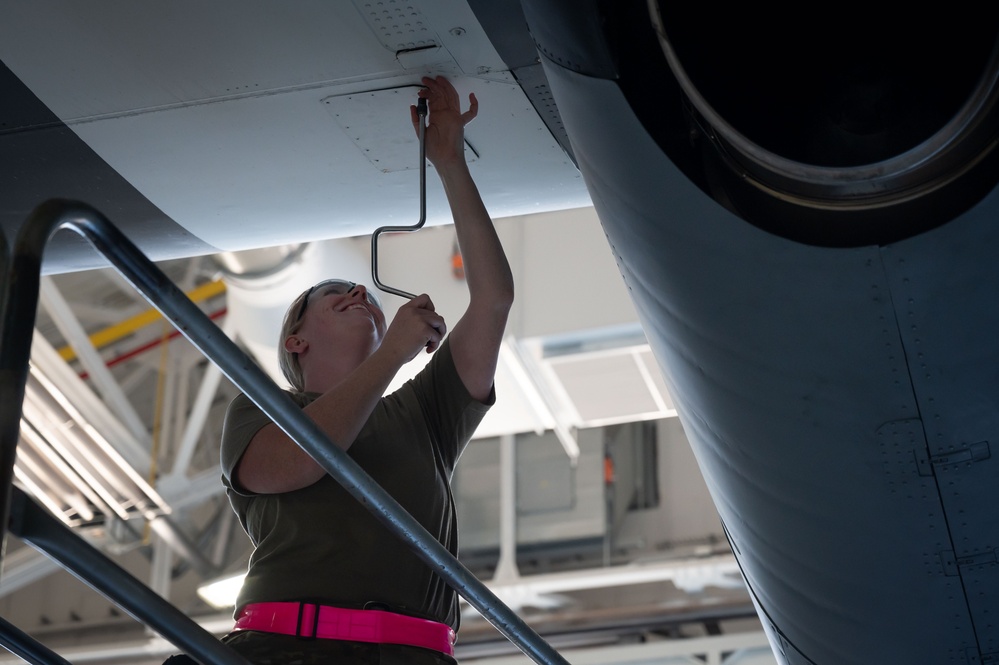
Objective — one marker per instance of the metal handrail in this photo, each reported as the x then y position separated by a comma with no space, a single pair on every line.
18,305
26,647
244,373
37,527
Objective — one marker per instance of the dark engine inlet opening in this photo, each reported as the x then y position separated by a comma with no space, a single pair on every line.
831,88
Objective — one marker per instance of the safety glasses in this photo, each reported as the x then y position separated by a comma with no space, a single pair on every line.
340,287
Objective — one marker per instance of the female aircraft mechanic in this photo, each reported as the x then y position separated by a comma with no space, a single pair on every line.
324,571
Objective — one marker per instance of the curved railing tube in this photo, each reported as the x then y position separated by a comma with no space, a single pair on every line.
275,402
19,302
26,647
35,526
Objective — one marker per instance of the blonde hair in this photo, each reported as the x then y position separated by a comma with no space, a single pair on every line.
288,361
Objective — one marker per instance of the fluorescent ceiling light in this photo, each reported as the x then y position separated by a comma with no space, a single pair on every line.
221,592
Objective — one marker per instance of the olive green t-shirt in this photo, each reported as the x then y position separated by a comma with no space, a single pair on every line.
319,544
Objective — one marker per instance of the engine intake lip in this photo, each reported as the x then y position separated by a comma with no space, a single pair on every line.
952,151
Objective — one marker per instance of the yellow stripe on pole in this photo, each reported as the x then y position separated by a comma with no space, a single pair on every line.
111,334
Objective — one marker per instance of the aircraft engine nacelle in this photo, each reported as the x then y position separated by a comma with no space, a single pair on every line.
806,211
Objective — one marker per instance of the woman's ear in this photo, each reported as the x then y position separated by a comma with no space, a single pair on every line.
295,344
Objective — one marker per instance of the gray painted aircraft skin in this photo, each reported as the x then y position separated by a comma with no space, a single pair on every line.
822,304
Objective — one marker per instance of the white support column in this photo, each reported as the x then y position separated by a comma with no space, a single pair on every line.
506,568
199,416
196,421
52,300
173,404
160,571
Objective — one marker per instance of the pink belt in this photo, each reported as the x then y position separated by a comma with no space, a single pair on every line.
335,623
